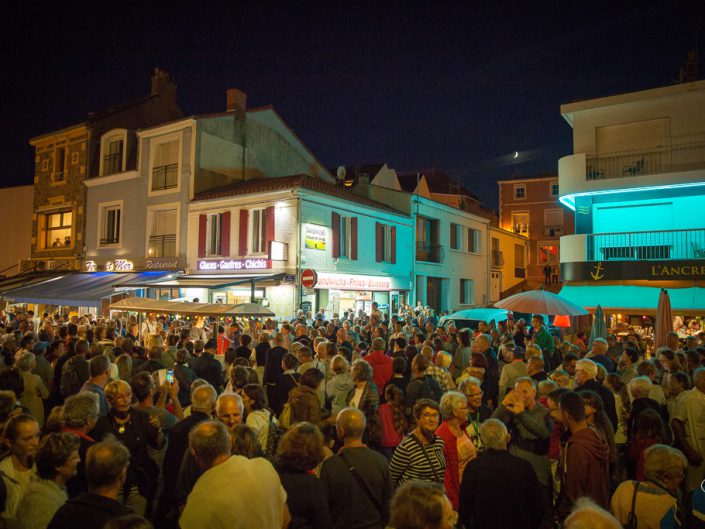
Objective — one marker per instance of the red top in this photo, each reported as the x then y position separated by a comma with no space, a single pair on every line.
390,437
636,453
381,369
451,480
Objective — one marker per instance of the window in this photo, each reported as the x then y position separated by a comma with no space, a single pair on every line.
345,237
554,189
258,231
548,253
497,257
162,239
455,237
213,234
427,247
387,251
110,224
59,165
466,291
519,256
520,191
112,159
56,229
385,243
165,167
520,222
474,240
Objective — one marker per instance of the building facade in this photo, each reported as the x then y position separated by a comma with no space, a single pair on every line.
636,182
16,204
530,207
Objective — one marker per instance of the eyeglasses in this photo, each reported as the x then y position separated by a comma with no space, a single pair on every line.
122,396
472,395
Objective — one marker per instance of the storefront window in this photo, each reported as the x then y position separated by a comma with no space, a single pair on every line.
548,254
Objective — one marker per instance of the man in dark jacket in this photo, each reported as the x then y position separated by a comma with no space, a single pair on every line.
207,367
586,378
483,501
583,467
106,470
490,384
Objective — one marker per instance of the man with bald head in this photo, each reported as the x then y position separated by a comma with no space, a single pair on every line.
357,479
202,405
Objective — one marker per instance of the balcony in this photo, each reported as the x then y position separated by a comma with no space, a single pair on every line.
554,231
165,177
162,246
522,229
429,253
669,245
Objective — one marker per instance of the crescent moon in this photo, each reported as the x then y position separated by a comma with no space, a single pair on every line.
516,154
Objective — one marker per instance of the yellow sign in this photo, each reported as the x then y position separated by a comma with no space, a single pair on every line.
597,274
314,237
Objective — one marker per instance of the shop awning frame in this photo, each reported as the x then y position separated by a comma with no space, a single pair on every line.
188,308
635,299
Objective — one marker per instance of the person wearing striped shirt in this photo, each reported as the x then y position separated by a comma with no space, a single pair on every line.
419,456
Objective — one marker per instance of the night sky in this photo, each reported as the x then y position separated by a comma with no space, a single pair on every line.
458,88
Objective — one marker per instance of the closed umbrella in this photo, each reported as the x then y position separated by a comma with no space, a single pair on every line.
664,319
540,302
599,327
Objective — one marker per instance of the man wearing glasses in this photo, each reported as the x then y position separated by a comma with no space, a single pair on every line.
477,411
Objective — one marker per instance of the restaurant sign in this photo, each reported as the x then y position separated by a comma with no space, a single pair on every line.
131,265
352,282
644,270
314,237
234,264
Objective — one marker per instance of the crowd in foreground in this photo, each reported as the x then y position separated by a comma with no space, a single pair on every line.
353,421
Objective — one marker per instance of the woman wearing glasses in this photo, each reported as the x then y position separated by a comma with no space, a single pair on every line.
419,456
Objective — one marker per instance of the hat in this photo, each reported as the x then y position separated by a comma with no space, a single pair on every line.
211,344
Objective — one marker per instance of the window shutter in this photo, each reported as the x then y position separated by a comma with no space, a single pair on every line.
393,249
225,234
242,242
335,226
202,222
353,238
269,227
379,242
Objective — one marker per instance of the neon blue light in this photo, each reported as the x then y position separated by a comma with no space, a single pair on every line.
569,200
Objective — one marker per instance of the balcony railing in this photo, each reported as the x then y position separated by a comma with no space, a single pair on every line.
554,231
430,253
497,258
522,229
685,153
112,163
646,245
110,240
162,246
165,177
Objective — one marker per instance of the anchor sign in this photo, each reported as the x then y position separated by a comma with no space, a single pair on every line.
598,272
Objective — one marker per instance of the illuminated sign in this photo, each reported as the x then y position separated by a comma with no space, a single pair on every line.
278,250
314,237
235,264
620,270
130,265
353,282
119,265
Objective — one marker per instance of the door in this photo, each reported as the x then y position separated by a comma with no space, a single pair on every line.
495,286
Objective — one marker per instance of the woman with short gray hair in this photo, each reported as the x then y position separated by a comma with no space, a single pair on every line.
654,501
79,415
458,448
34,389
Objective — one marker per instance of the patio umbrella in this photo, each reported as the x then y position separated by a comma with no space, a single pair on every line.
599,327
250,309
664,319
540,302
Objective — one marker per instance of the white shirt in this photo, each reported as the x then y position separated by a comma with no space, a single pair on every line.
240,493
15,491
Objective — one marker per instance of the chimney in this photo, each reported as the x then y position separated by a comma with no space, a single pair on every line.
235,99
163,84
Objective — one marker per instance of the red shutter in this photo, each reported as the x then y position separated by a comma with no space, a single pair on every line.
393,251
225,234
379,242
202,227
242,243
269,227
335,227
353,238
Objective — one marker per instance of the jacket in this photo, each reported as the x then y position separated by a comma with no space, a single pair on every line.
337,390
305,405
369,405
381,369
584,471
451,479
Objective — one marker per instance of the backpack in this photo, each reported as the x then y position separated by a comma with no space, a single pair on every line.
70,381
285,417
431,389
274,434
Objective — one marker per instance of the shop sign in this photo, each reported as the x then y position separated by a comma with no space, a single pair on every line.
118,265
353,282
235,264
314,237
130,265
644,270
288,279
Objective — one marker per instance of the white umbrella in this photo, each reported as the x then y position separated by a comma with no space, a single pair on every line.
540,302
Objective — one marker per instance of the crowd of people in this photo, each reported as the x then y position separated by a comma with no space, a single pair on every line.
348,421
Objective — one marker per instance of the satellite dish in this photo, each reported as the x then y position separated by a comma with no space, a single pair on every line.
341,172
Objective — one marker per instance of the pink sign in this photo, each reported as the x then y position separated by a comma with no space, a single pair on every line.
353,282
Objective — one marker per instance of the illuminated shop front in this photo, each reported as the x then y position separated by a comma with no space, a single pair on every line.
338,293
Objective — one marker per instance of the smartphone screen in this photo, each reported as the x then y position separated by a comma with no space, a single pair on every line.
170,376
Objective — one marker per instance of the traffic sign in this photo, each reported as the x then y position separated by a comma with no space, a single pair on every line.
309,278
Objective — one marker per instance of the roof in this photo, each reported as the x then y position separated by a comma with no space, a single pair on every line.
438,182
520,178
268,185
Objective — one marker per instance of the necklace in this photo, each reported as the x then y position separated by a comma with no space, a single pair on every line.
120,423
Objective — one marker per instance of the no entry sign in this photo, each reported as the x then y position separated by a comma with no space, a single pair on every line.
309,278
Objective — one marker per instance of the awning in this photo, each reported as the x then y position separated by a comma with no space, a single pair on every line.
189,308
641,299
78,289
24,280
209,282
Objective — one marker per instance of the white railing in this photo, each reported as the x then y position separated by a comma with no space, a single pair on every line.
646,245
